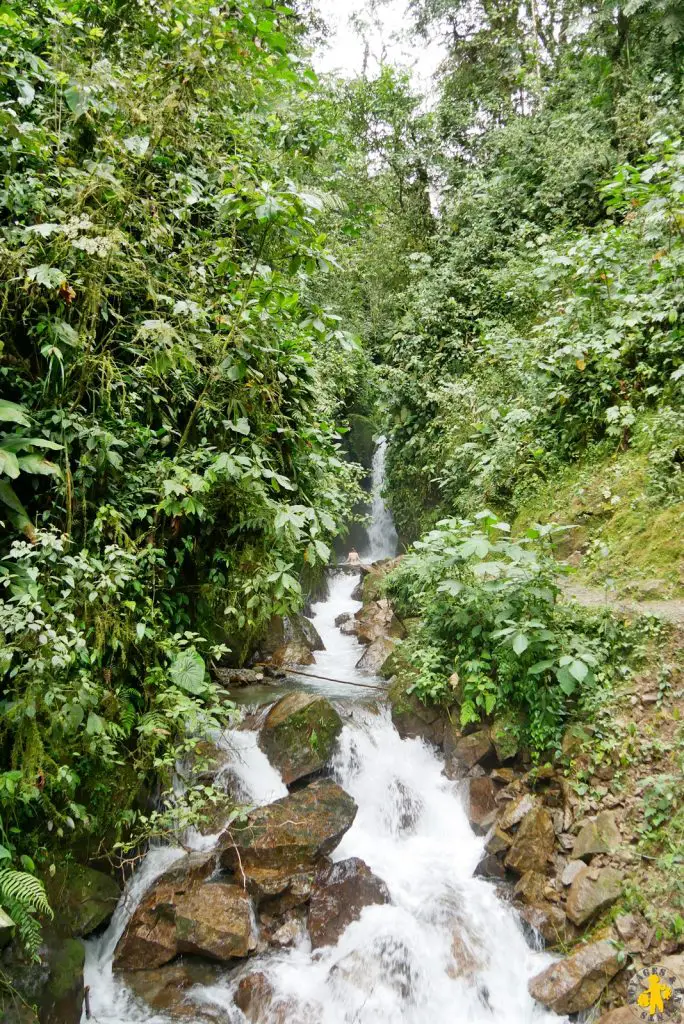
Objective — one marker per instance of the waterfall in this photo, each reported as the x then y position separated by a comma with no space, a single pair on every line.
382,537
446,949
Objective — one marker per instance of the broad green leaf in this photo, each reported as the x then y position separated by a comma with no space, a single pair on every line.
520,643
240,426
10,412
49,277
37,464
578,670
9,464
188,671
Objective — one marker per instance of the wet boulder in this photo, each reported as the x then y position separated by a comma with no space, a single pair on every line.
375,655
551,923
377,619
472,749
167,990
533,845
341,892
211,919
480,802
81,897
294,831
414,720
260,1004
299,733
575,983
598,836
592,891
290,640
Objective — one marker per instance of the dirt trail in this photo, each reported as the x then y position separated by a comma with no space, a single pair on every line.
595,597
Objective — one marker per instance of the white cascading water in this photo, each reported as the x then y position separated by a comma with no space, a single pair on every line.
382,537
447,950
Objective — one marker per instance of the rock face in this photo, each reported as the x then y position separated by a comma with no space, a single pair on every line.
593,890
82,898
375,655
598,836
574,984
533,845
211,919
376,619
299,734
293,831
341,892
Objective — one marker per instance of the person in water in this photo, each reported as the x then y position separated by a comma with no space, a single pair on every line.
353,557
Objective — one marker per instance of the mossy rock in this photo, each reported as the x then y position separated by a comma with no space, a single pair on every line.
81,897
505,734
299,734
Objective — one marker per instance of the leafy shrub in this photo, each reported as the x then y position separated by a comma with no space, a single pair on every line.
493,638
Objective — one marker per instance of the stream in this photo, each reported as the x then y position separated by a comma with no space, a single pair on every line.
448,948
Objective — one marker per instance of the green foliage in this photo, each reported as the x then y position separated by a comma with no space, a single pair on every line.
170,384
493,637
23,896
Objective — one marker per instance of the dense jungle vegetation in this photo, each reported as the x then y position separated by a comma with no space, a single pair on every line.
213,263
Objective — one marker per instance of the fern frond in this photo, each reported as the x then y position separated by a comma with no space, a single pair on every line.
24,889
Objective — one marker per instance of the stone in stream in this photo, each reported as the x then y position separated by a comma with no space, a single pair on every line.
341,892
299,733
593,890
598,836
551,923
377,620
256,998
375,655
290,641
575,983
533,845
480,803
292,832
166,989
187,915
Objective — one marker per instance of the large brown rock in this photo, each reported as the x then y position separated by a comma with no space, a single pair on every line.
598,836
292,832
210,919
341,892
166,990
551,923
259,1003
574,984
376,619
593,890
515,811
533,845
620,1015
299,733
481,801
376,654
473,748
290,641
